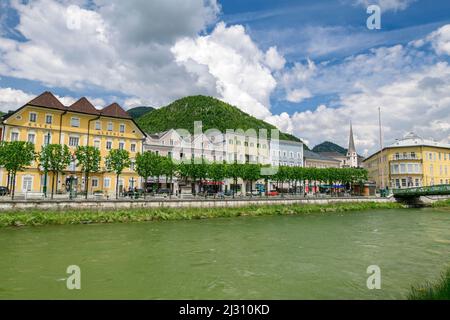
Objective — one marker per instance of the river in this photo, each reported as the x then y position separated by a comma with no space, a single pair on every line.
320,256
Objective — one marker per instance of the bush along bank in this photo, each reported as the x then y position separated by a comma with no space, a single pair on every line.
39,217
439,290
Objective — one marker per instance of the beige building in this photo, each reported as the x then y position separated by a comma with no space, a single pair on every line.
410,161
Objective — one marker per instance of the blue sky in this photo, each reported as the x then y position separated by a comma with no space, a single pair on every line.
308,67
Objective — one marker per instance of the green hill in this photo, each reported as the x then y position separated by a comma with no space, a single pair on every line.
328,146
139,111
213,113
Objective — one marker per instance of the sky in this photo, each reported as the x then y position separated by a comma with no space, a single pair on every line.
308,67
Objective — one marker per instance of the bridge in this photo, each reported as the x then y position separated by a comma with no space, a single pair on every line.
408,193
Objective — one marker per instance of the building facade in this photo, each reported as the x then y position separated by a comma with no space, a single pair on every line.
45,120
286,153
316,160
409,162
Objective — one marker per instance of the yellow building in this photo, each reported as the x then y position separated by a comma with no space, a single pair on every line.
46,120
410,161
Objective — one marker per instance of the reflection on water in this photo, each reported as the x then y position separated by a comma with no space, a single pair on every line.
294,257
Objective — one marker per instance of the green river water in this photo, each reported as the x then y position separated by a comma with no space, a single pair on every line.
320,256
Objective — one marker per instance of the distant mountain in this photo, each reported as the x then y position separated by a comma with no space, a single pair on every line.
139,111
213,113
328,146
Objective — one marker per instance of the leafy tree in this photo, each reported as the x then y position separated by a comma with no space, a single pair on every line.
54,158
233,171
88,158
144,167
168,169
251,173
117,160
15,156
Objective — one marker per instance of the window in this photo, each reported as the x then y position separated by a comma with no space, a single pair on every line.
27,183
14,136
171,142
133,147
48,119
121,145
75,122
31,137
97,144
108,145
110,126
106,183
132,165
47,138
98,125
169,154
74,141
122,128
33,117
94,182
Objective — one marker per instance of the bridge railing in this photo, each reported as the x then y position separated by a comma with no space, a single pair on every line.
422,191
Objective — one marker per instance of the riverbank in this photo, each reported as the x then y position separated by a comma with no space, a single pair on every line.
439,290
46,217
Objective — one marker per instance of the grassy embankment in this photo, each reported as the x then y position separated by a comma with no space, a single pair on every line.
441,204
439,290
40,217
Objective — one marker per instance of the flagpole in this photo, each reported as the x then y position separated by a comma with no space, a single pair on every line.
381,149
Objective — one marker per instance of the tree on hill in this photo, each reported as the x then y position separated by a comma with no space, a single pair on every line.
139,111
328,146
213,113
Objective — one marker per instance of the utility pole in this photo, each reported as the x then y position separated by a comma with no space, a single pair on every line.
381,150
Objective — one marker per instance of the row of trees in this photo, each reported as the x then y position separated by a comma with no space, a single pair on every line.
55,158
15,156
149,164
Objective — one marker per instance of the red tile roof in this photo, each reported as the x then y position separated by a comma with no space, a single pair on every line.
47,99
114,110
83,105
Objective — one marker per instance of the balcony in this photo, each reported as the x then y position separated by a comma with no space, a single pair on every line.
399,157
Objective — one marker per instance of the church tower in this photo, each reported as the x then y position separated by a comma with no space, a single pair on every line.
352,155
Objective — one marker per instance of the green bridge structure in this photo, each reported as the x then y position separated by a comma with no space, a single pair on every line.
416,192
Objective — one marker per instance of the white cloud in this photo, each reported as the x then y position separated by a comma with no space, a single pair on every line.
109,50
11,98
298,95
387,5
237,65
440,40
274,60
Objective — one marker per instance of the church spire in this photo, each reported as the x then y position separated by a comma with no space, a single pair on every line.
351,142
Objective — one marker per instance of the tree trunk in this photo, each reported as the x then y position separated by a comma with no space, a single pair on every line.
86,184
8,184
13,185
53,184
117,187
145,187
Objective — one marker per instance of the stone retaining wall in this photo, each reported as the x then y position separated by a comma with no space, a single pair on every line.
177,203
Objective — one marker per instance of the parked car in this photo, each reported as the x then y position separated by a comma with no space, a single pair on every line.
163,191
272,193
4,191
